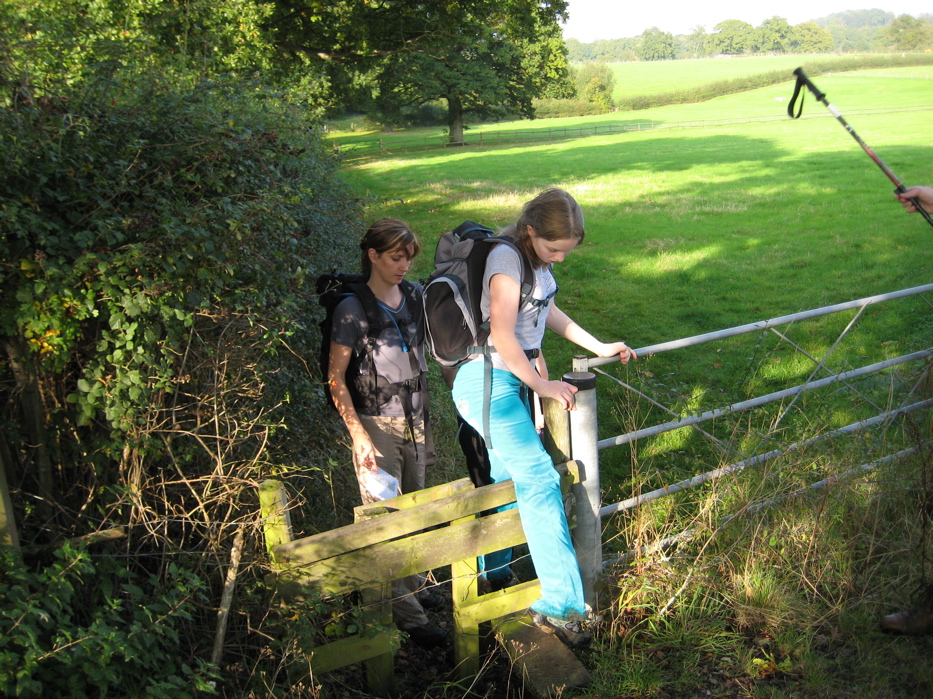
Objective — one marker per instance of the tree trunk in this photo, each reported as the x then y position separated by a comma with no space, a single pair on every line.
455,120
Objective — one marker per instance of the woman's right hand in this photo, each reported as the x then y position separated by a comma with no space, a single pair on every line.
924,195
364,453
560,391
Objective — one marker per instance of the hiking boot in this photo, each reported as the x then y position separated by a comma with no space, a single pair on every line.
573,633
487,586
913,622
427,636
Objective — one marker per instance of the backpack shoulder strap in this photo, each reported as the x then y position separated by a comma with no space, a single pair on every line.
415,305
370,303
528,274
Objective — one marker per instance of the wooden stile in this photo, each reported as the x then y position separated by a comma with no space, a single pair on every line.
412,533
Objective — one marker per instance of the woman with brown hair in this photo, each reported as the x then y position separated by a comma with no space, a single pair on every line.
378,383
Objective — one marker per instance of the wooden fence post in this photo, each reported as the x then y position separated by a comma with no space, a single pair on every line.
273,505
377,610
464,576
556,430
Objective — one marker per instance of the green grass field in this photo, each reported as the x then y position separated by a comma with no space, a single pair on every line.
885,90
647,77
692,230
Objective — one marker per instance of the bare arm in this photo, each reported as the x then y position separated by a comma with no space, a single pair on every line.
561,323
363,448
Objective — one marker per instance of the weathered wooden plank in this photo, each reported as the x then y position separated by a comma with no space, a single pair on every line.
548,667
498,604
404,522
464,585
348,651
395,524
273,505
409,500
395,559
380,668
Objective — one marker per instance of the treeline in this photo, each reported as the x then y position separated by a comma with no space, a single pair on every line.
852,31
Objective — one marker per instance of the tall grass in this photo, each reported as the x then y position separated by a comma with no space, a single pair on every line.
695,230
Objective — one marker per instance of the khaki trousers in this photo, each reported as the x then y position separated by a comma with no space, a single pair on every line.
404,458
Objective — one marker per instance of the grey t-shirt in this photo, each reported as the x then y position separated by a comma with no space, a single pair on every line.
531,322
389,358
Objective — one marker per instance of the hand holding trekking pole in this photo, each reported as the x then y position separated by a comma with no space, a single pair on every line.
914,195
901,192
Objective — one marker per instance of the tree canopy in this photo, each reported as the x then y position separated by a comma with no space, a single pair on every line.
852,31
908,33
656,45
731,36
163,213
489,65
594,82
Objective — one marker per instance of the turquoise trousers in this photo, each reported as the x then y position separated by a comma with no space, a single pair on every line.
517,454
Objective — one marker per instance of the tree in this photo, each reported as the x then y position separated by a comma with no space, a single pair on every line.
577,51
656,45
160,234
809,37
857,19
696,41
907,33
772,36
491,63
732,36
72,38
594,83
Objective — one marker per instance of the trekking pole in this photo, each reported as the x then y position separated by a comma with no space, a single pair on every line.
821,96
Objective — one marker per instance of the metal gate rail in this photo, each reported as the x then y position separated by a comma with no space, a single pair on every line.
585,364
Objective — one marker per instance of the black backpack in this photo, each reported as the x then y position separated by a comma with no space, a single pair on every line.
367,389
455,328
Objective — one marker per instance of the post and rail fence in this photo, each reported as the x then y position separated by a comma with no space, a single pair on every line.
450,525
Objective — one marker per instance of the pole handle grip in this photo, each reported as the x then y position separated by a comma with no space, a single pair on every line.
900,189
802,79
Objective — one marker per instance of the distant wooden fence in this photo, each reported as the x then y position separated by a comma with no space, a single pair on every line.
409,534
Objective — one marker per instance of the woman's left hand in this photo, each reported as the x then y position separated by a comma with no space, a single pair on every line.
617,348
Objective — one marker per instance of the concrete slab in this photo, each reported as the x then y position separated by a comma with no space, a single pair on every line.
546,665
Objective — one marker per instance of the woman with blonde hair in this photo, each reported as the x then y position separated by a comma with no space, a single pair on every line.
549,227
